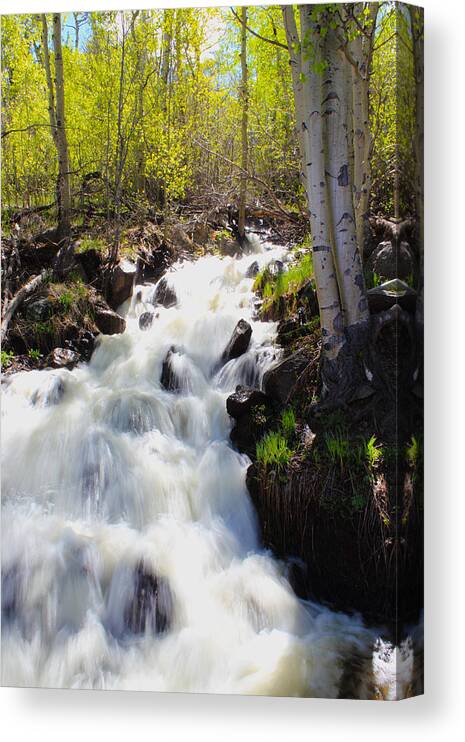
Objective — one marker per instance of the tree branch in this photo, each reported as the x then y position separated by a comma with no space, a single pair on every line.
254,33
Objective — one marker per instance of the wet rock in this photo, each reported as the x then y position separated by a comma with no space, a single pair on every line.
179,237
239,341
164,295
39,310
390,293
307,299
61,357
91,263
122,281
252,270
168,378
132,413
280,379
244,400
153,261
51,393
151,607
228,246
83,343
275,267
391,261
146,320
109,322
97,458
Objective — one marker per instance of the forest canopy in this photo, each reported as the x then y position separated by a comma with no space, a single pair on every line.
153,109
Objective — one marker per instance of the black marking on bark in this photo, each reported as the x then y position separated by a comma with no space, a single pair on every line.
339,322
345,215
321,248
358,280
343,177
331,96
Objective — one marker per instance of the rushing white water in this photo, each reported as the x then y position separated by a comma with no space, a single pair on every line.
115,490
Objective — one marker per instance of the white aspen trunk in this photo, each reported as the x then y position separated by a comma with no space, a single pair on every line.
313,161
337,89
362,142
244,124
64,206
416,20
50,91
359,52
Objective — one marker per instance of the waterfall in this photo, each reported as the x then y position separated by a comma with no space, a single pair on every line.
131,553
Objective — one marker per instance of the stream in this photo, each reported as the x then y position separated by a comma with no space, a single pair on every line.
131,553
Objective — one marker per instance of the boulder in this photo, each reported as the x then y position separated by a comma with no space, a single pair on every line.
179,237
280,379
391,261
122,281
90,261
39,310
239,341
151,606
252,270
168,378
306,297
109,322
153,260
60,357
389,293
244,400
146,320
275,267
80,341
164,295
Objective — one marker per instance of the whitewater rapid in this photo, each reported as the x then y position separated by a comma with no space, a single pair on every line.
112,485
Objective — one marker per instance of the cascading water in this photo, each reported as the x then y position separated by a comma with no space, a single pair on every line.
131,555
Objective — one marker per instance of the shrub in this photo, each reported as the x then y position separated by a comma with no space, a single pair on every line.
34,354
273,450
412,452
91,243
6,358
373,452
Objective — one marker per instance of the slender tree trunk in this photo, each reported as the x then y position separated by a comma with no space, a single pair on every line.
416,21
337,93
64,206
294,46
244,126
76,31
359,51
313,165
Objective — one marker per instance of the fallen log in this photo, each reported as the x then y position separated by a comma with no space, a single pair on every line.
24,293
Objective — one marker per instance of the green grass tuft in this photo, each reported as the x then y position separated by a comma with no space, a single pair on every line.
288,422
273,450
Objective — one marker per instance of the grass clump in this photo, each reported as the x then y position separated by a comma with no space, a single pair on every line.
6,358
91,243
273,450
34,354
273,287
288,422
413,452
337,447
373,452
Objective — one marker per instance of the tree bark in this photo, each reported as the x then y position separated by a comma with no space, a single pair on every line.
337,93
313,165
64,204
244,125
27,290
